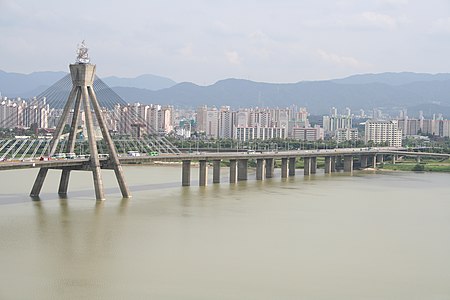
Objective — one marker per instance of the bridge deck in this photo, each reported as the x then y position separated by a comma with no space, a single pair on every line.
74,163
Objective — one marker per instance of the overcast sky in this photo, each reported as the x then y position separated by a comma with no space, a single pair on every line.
203,41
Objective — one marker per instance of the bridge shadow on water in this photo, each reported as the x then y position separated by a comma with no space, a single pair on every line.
210,191
22,197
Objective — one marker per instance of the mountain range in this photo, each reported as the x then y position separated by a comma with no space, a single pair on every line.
389,91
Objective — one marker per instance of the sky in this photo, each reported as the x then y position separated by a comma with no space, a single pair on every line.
203,41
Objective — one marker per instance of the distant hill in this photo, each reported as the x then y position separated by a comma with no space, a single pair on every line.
393,78
29,85
317,96
390,91
26,85
147,81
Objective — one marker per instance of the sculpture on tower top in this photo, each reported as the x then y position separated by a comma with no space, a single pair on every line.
82,54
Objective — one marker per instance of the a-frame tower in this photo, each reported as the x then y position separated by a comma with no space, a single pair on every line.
82,96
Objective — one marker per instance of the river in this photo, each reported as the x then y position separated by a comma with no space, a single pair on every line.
363,236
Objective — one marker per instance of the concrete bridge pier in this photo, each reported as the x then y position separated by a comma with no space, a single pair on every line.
292,162
203,173
242,169
307,166
380,158
260,168
333,164
348,163
284,167
338,162
418,159
64,182
374,161
233,170
270,165
186,173
39,182
394,159
313,165
364,161
216,171
327,164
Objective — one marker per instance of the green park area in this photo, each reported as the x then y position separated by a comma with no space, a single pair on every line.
426,164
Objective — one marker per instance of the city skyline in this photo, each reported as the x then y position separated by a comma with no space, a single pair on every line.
203,42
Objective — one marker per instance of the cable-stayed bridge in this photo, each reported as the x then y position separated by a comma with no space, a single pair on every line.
84,110
93,125
130,126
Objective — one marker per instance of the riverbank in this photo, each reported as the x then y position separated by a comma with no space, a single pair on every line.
427,166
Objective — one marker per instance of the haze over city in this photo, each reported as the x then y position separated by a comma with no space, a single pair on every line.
205,41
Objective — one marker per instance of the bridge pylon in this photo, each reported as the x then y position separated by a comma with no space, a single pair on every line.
82,96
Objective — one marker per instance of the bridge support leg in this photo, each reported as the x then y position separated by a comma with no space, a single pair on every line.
64,182
202,173
394,158
242,169
186,173
284,167
327,164
260,166
292,162
233,172
39,182
95,162
339,164
313,165
333,164
364,161
114,158
70,148
269,167
374,161
418,159
380,158
348,164
216,171
307,166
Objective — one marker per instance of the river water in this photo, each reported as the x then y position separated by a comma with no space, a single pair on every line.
362,236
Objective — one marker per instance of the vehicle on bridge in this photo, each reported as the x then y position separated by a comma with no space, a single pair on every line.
254,151
154,153
59,156
134,153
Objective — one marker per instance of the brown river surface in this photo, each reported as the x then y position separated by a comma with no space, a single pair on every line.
362,236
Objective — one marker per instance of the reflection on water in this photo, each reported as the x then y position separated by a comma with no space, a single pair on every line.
366,236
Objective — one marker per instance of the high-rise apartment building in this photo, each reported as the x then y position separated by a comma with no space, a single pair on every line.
226,123
383,131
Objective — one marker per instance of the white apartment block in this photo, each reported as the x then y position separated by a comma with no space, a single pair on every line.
260,118
347,134
308,133
19,113
333,123
242,118
225,123
258,132
165,122
280,118
383,131
444,128
429,127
